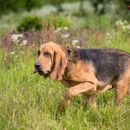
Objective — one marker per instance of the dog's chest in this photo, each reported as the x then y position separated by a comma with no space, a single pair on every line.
80,72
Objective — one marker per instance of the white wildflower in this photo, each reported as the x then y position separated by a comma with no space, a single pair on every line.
124,28
128,27
74,41
20,35
15,37
12,53
65,28
24,43
58,30
108,34
77,46
66,35
119,23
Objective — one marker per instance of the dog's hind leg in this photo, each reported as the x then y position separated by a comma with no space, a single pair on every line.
121,90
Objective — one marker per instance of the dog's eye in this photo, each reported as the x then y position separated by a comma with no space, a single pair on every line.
38,53
47,54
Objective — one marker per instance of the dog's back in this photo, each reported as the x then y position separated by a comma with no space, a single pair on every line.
109,64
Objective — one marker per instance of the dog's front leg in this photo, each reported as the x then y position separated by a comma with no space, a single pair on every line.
74,91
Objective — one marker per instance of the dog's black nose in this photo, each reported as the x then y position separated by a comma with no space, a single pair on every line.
37,65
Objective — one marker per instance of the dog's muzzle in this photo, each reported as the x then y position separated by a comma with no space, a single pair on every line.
37,66
39,71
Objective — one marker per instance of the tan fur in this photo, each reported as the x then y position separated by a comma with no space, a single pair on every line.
122,86
80,72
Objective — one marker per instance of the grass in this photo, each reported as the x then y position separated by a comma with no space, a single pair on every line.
30,102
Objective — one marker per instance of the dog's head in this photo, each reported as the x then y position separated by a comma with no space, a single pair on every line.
51,61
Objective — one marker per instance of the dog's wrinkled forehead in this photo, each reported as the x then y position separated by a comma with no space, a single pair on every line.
46,47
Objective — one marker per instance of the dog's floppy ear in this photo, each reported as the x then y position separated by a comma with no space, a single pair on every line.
60,62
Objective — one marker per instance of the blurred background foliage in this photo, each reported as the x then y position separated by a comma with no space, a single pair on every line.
19,5
99,6
48,18
22,15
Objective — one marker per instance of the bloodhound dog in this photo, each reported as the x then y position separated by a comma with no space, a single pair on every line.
87,71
